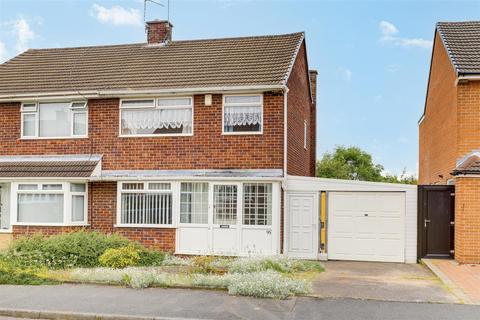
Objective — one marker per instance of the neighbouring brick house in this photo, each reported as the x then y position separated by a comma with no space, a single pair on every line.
450,129
181,145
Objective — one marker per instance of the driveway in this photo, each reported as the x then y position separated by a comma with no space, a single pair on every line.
381,281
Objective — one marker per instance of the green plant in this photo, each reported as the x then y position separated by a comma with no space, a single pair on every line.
265,284
204,264
149,257
119,258
12,274
75,249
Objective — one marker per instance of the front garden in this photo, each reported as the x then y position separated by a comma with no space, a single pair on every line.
91,257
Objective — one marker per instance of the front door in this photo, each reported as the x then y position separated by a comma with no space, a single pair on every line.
436,216
226,218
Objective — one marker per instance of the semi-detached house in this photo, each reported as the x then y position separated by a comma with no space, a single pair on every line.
181,145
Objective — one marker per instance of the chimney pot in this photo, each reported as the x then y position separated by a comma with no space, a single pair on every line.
159,31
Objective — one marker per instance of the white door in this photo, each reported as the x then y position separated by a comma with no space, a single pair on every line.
366,226
226,218
302,226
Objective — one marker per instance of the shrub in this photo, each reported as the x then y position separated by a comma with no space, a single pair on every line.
203,264
258,264
171,260
211,281
149,257
12,274
119,258
76,249
265,284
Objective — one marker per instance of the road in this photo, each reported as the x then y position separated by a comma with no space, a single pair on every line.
202,304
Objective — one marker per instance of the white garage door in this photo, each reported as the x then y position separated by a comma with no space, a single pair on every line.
366,226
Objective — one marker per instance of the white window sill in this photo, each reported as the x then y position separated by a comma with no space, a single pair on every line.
39,224
6,231
156,226
156,135
53,138
240,133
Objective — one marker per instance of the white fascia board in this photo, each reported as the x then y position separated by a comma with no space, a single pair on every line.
71,95
66,157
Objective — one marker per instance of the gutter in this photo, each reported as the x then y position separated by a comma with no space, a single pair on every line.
461,78
93,94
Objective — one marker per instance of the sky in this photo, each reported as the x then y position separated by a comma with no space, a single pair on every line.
372,57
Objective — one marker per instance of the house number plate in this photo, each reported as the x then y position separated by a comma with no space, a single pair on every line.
225,226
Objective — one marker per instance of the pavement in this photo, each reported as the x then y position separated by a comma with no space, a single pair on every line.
382,281
87,302
463,279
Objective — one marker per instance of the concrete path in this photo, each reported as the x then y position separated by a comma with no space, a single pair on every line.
381,281
463,279
108,302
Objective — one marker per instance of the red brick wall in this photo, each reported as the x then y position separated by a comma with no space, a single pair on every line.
468,118
300,161
467,220
438,130
206,149
102,204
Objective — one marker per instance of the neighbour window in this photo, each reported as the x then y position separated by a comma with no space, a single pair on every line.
163,116
305,135
243,113
45,203
54,119
145,203
257,204
194,203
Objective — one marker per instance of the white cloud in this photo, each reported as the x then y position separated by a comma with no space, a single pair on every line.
346,74
116,15
389,30
23,33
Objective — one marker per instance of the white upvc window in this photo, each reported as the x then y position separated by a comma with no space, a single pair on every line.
242,114
257,204
145,204
50,203
305,134
170,116
194,202
54,120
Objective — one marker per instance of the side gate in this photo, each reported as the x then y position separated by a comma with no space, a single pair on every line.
436,221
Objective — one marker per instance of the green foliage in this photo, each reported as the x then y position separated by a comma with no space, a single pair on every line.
307,265
119,258
276,263
10,273
76,249
149,257
204,264
352,163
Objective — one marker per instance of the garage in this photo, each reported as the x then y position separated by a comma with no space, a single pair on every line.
366,226
350,220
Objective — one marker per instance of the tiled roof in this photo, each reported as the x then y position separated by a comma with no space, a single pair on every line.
470,165
261,60
462,41
69,166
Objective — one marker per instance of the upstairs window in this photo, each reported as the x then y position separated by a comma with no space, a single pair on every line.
54,119
243,114
152,117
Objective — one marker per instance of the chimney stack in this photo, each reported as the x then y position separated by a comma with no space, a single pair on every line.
159,32
313,84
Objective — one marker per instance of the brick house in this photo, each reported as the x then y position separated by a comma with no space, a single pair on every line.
449,130
181,145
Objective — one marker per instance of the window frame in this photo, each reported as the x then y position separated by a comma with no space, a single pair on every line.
239,104
155,106
209,205
305,134
174,192
67,201
73,111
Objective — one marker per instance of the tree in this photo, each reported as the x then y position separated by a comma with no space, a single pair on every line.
352,163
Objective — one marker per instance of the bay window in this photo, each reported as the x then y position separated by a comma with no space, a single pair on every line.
152,117
54,119
242,114
143,203
51,203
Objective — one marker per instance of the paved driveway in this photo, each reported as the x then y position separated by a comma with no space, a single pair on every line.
381,281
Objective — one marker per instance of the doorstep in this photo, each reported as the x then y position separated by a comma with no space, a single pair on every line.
462,279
